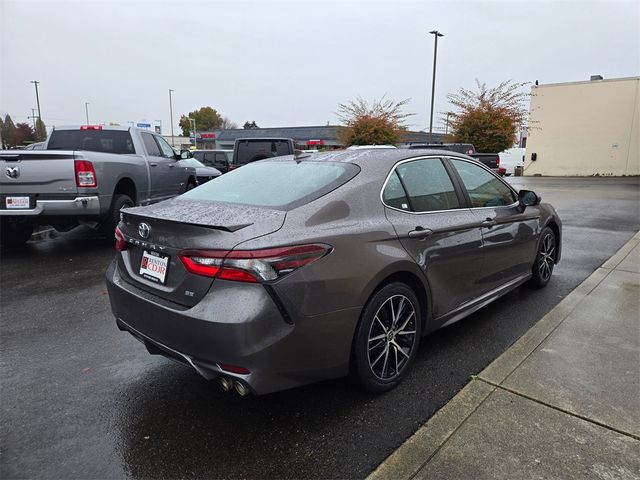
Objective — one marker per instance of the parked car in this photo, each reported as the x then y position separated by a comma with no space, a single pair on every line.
247,150
218,159
203,173
491,160
292,270
86,175
512,158
466,148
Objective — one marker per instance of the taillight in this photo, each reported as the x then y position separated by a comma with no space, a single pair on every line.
497,159
85,174
252,265
91,127
121,242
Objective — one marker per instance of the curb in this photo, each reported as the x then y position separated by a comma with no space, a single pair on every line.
420,448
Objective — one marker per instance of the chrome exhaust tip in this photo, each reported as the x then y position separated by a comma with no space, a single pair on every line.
226,383
241,388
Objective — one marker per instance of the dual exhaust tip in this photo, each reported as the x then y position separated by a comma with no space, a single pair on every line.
227,384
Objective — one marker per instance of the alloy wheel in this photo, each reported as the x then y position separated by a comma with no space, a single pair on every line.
546,256
392,337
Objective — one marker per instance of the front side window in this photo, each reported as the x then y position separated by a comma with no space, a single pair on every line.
166,149
484,189
428,185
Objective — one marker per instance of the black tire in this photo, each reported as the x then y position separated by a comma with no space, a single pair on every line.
376,371
545,259
191,184
14,233
119,201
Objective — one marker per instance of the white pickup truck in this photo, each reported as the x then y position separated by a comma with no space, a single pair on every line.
85,175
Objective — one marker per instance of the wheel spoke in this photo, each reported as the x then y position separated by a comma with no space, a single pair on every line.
385,329
381,342
377,338
408,332
409,317
380,356
399,348
395,350
393,313
386,359
399,314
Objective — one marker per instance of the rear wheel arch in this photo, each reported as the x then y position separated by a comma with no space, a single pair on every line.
126,186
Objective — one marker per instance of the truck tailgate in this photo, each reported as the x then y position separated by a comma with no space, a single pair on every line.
40,173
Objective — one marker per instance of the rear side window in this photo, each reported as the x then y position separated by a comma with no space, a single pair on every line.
278,185
394,194
428,185
151,145
106,141
485,190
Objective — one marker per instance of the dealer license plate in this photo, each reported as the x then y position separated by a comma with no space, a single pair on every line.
16,202
154,266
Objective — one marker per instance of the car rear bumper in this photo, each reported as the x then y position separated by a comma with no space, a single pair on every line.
84,205
240,325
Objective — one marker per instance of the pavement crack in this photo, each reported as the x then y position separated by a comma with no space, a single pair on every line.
559,409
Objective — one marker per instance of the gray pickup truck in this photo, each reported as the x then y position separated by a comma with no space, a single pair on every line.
85,175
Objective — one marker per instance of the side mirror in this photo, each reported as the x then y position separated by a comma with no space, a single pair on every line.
185,154
527,198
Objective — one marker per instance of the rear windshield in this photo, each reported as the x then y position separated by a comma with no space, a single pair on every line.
278,185
251,150
107,141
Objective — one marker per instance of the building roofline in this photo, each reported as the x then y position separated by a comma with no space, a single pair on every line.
582,82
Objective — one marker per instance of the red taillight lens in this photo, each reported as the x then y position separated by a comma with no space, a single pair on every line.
85,174
252,265
91,127
497,159
121,242
234,368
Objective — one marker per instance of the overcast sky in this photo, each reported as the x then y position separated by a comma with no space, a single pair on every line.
292,63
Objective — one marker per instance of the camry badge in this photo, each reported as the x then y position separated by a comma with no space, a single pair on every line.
12,172
144,230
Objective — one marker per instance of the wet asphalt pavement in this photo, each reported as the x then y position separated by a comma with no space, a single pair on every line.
80,399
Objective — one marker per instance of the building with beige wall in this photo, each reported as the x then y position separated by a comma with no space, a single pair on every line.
585,128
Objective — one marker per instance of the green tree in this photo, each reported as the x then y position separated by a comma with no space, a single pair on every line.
250,125
8,132
24,134
2,144
489,117
206,118
41,130
381,123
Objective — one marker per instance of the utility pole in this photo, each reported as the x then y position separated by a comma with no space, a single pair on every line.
437,34
86,111
192,121
171,115
33,117
40,134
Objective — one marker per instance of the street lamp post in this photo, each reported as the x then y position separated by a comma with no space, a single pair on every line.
86,111
171,115
436,34
33,117
40,134
192,121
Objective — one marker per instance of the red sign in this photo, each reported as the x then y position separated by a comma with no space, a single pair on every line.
207,135
315,142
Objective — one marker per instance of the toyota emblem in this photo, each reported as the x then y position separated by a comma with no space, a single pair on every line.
144,230
12,172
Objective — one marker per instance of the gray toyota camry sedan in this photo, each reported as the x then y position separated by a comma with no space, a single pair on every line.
298,269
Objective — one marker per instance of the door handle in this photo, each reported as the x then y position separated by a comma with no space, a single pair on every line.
488,222
171,165
153,164
420,232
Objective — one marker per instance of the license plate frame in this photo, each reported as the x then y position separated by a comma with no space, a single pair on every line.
154,266
17,202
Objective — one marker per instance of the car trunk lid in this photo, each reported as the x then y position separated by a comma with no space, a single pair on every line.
158,233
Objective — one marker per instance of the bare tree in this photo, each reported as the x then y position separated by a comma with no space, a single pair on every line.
228,124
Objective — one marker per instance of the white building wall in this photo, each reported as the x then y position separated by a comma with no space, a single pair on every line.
585,128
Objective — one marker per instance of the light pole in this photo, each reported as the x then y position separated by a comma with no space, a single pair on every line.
35,82
192,121
86,111
33,117
171,115
437,34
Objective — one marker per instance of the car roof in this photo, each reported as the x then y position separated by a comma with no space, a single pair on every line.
375,157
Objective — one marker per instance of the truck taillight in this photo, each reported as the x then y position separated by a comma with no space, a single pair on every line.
85,174
497,160
252,265
91,127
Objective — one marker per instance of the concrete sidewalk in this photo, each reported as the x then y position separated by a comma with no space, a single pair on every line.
562,402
